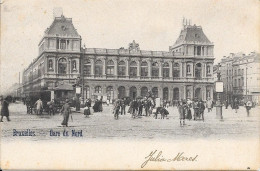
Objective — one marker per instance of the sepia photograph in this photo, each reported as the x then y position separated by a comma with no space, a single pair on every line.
130,85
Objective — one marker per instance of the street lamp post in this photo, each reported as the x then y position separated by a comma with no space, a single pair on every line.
219,90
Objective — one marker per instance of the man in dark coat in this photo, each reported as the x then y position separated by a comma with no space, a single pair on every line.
122,105
140,107
65,110
5,110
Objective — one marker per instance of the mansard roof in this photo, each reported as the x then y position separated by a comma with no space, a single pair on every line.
62,26
192,34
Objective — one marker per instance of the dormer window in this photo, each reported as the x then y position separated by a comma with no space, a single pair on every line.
196,36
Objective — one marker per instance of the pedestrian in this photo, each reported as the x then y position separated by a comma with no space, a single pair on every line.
50,105
65,111
181,113
4,109
201,107
235,104
140,107
209,105
248,106
196,109
39,106
226,104
122,105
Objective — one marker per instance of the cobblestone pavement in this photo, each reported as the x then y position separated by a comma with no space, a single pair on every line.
102,125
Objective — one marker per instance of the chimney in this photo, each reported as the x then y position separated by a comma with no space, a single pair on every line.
57,12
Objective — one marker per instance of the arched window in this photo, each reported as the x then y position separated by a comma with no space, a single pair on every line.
176,95
176,70
110,67
144,69
144,91
98,89
87,67
155,92
165,93
155,69
121,68
50,64
133,69
110,93
166,70
121,92
198,69
98,68
62,66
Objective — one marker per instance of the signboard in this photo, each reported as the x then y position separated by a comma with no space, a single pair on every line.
78,90
219,87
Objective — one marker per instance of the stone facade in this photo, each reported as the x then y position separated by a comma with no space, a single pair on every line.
185,71
240,75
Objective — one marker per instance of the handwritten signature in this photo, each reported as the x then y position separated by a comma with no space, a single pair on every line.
156,156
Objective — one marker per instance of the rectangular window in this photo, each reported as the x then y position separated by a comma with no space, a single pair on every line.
144,71
110,70
87,70
133,72
121,71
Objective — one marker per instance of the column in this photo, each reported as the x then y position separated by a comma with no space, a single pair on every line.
160,69
116,66
204,93
59,44
192,92
194,66
138,67
184,64
160,92
149,68
138,91
170,93
201,51
91,91
184,92
92,67
46,63
104,66
115,88
181,69
127,91
127,68
211,93
195,49
170,69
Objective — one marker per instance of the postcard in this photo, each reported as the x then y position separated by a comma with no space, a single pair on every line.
127,84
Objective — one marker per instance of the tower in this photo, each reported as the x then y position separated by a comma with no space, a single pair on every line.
192,42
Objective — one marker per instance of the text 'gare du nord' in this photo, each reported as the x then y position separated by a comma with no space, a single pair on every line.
185,71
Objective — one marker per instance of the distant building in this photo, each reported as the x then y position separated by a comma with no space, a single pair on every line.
241,74
185,71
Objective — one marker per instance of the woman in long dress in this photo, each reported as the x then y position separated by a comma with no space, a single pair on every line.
65,110
5,110
182,114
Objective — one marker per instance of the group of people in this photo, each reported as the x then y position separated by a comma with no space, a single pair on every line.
184,108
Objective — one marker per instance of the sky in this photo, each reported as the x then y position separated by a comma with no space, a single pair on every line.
232,25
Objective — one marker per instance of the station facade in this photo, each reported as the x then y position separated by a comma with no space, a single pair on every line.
185,71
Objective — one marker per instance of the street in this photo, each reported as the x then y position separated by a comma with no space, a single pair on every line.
102,125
